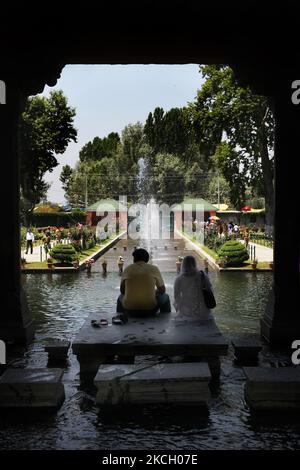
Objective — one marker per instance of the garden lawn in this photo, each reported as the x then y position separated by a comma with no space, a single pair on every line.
213,254
36,265
86,253
207,250
247,265
91,251
82,256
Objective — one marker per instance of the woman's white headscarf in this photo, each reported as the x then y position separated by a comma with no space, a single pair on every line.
189,266
188,295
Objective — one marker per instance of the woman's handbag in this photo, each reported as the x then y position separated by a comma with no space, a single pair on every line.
208,295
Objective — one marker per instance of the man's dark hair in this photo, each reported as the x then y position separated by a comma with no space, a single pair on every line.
140,255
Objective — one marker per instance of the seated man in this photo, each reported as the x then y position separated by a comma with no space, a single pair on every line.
142,287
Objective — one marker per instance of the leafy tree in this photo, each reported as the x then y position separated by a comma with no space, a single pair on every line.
168,179
176,131
65,177
195,180
225,111
46,128
132,141
169,131
227,160
218,184
98,178
100,148
154,130
104,178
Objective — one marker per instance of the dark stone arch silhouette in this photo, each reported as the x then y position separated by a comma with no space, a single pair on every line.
37,45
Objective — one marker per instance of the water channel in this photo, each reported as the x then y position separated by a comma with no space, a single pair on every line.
60,304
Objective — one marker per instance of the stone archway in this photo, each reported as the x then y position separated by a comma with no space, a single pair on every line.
35,55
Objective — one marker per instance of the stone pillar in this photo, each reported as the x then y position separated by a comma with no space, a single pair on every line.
15,323
281,322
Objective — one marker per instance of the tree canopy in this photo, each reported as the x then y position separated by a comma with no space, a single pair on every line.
219,144
46,128
100,148
237,127
108,176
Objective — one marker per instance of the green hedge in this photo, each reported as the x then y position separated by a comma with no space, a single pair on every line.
57,219
212,241
65,253
235,252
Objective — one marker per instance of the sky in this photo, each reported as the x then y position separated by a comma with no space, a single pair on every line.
109,97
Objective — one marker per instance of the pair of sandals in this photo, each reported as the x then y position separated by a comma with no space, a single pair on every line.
99,323
119,319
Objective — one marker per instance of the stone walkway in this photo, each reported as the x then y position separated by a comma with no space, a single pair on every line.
263,253
35,256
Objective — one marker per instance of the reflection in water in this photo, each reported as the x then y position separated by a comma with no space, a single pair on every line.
60,305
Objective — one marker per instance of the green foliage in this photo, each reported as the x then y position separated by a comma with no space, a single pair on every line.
168,179
100,148
65,177
234,251
169,132
228,163
64,253
172,133
106,178
214,242
132,141
195,180
224,109
57,219
251,218
46,128
218,183
88,238
109,175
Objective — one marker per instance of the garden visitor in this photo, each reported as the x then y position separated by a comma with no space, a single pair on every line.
188,292
47,240
120,264
220,230
29,241
246,238
142,287
236,229
58,235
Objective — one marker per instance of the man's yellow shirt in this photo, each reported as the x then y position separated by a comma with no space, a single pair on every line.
140,281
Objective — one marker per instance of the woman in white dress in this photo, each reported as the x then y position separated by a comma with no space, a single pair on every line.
188,296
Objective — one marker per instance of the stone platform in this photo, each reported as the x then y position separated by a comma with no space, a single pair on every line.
272,389
246,350
159,335
31,388
57,350
182,384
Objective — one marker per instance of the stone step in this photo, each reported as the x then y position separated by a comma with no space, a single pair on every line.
246,349
31,388
269,388
183,384
57,350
